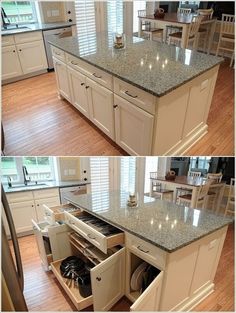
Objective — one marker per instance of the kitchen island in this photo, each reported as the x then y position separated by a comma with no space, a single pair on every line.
150,98
184,244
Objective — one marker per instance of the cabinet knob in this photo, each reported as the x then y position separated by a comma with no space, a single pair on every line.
14,51
37,204
98,278
81,84
32,205
115,106
87,87
20,50
85,179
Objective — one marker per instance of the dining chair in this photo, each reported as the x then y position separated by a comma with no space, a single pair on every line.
226,39
204,32
202,197
184,190
215,177
157,191
213,193
230,206
192,34
147,28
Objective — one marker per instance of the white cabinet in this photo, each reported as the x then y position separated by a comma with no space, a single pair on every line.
39,206
62,78
32,56
10,62
133,128
78,91
101,107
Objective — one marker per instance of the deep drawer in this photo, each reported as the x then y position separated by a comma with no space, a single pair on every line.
101,241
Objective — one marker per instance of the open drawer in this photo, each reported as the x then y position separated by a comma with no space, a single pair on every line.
104,293
99,233
56,213
52,241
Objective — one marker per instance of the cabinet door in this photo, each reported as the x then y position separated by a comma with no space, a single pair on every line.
150,298
23,213
32,56
40,243
133,127
101,107
10,63
62,79
78,91
60,245
108,281
40,208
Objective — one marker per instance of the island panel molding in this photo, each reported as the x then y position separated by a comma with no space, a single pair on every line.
174,85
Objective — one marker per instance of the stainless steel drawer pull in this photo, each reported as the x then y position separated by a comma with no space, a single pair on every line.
95,75
81,84
145,251
115,106
73,62
98,278
91,237
128,94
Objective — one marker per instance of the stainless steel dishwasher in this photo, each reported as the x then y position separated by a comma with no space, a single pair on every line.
82,189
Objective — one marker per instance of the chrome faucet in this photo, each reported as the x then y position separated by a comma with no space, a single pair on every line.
5,19
9,181
25,174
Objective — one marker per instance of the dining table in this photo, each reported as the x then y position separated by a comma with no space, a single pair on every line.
216,190
178,20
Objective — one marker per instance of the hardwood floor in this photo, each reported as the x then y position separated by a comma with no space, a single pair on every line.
43,292
36,122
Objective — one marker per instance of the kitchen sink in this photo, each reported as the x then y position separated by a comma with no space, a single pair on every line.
19,28
28,185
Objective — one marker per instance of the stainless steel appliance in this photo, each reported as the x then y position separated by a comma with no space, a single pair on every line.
60,32
12,272
74,189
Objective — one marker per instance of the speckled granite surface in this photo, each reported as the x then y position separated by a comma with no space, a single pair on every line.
162,223
156,68
34,27
47,185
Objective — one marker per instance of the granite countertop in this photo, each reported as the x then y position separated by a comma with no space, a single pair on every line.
152,66
164,224
42,185
35,27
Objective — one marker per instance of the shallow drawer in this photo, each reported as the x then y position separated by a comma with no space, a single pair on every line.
56,213
20,196
135,95
58,53
28,37
99,240
7,40
46,193
147,251
71,289
91,71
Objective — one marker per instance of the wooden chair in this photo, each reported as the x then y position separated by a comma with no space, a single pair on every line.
147,28
172,28
215,195
181,190
204,32
202,197
216,177
226,39
230,206
157,191
192,35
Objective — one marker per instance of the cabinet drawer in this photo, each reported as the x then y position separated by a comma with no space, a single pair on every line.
58,53
92,234
28,37
91,71
46,193
146,251
7,40
20,196
135,95
56,213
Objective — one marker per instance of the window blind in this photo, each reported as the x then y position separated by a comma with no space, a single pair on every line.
128,174
99,174
115,16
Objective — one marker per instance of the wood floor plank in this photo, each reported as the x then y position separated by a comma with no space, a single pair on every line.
36,122
43,292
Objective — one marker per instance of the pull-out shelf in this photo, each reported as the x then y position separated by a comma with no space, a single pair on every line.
92,233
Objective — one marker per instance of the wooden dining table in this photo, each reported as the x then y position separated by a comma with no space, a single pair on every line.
193,184
178,20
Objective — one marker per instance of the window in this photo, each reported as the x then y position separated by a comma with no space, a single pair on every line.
128,174
99,174
39,168
20,11
151,165
137,5
115,16
200,163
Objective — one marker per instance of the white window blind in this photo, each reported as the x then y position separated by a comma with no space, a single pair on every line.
86,25
99,174
128,174
151,165
115,16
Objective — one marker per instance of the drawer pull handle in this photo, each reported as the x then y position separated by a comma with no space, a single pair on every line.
73,62
91,237
98,278
95,75
81,84
73,223
128,94
145,251
115,106
87,87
